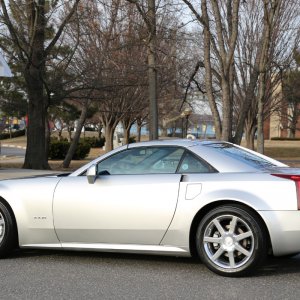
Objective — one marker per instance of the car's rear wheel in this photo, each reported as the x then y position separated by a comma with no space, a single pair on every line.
7,231
231,240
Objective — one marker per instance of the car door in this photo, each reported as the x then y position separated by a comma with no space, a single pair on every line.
132,200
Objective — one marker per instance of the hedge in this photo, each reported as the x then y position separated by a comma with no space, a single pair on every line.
59,150
284,139
131,140
93,141
7,135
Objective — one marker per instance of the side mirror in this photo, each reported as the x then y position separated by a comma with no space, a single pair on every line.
91,174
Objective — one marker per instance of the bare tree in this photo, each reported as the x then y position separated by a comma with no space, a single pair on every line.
290,111
91,55
263,44
149,16
260,64
136,106
220,31
26,23
271,12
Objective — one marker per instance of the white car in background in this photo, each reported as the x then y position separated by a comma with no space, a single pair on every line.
226,204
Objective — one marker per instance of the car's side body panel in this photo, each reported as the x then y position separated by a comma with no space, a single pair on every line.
129,224
32,207
134,209
261,192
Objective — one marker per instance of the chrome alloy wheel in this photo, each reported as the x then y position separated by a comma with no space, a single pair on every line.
228,241
2,227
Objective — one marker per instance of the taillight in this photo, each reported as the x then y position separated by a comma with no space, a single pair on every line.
296,179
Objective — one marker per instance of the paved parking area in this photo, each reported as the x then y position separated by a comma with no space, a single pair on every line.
74,275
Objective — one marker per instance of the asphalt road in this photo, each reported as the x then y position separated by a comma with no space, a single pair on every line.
73,275
11,151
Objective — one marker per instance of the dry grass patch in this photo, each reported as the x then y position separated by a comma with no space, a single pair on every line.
283,152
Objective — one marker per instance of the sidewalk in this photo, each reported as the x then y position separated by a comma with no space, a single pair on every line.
13,146
16,162
21,173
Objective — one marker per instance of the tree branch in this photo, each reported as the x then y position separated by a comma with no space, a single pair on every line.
13,32
61,28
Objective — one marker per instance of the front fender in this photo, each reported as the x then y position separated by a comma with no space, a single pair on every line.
31,202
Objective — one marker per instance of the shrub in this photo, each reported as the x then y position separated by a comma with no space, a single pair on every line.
88,128
131,140
59,150
82,151
56,139
284,139
101,142
6,135
93,141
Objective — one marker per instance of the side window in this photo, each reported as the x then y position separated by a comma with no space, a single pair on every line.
192,164
150,160
167,161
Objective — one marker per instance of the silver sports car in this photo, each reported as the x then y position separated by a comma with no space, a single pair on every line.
226,204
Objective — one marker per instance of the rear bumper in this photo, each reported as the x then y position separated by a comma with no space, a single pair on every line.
284,230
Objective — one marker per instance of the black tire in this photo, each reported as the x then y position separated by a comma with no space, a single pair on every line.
219,247
7,232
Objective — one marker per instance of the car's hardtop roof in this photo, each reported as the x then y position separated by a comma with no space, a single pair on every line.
175,142
212,154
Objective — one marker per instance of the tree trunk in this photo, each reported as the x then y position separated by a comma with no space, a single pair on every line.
109,137
75,141
69,134
271,11
260,130
227,113
138,129
260,114
100,130
127,124
152,72
35,157
126,136
294,122
208,71
246,105
164,128
47,137
250,129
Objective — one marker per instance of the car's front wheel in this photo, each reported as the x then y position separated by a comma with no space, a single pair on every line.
231,240
7,231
